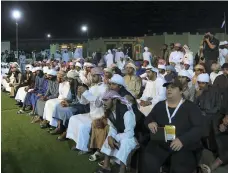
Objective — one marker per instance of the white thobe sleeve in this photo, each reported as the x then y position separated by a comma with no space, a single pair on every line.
171,57
144,75
89,96
129,122
191,60
83,99
65,92
160,93
145,92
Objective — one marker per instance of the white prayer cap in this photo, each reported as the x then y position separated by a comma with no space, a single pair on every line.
185,73
29,66
87,64
45,69
225,42
204,77
131,65
161,67
186,62
72,74
177,45
52,72
146,48
14,65
39,68
78,64
33,70
117,79
109,51
151,68
222,43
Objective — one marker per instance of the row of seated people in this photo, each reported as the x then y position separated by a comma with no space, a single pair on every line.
113,115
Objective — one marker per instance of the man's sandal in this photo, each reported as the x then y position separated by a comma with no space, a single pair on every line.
62,137
205,168
55,131
20,111
95,157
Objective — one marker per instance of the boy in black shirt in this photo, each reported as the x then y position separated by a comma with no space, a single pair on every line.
186,118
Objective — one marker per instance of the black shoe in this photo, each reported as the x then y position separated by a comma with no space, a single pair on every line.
18,103
44,126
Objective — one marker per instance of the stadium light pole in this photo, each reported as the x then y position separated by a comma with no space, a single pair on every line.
84,28
16,14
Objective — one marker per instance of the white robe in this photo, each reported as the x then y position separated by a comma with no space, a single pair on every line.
118,56
109,59
177,58
4,71
153,92
222,56
147,56
78,53
6,84
52,104
189,57
191,72
85,79
79,126
126,139
213,76
121,64
144,79
21,93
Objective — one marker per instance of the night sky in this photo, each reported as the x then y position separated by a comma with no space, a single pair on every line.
105,19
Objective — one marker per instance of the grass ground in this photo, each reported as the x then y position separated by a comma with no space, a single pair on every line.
28,149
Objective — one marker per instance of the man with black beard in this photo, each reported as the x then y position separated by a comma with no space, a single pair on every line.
120,140
209,99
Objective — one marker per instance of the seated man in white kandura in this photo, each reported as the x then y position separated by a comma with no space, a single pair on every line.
79,126
154,92
52,104
120,140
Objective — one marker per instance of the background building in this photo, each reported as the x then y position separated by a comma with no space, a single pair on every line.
133,45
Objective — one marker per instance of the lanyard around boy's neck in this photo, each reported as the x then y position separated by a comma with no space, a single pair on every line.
175,111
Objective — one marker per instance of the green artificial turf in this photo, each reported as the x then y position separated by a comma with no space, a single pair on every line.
28,149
